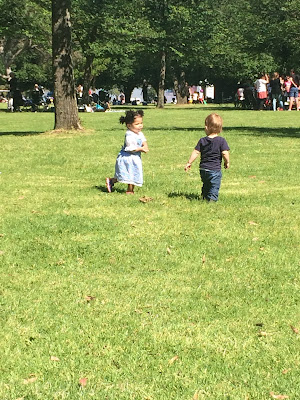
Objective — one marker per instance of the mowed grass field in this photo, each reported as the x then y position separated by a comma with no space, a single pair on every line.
105,297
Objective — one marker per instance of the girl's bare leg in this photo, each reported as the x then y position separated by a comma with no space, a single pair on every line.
109,182
130,189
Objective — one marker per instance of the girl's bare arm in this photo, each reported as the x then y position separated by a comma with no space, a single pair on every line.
144,148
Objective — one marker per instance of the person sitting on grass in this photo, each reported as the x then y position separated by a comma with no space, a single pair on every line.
213,148
128,168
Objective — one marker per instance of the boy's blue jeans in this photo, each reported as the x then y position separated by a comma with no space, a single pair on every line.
211,184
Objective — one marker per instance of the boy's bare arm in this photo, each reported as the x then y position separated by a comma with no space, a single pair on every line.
192,158
225,155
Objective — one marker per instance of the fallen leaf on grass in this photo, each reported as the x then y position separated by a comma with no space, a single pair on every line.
1,253
30,380
89,298
252,176
53,358
285,371
203,259
295,330
262,182
145,199
278,396
173,359
2,235
21,197
168,250
196,396
262,333
83,382
252,223
20,398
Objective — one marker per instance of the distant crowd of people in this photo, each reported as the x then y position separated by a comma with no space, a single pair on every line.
40,99
97,101
31,100
277,93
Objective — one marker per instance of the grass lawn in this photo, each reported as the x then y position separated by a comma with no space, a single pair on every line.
105,297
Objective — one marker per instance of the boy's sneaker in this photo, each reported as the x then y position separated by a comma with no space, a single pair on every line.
109,184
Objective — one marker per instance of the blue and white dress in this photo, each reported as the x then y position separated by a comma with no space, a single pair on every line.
129,168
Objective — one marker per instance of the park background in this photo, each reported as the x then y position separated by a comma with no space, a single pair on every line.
124,43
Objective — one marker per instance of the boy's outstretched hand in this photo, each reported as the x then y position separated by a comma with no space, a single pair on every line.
187,167
192,158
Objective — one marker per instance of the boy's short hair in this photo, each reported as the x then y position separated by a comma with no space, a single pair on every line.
214,123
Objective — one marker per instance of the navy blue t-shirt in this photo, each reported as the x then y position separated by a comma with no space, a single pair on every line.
211,152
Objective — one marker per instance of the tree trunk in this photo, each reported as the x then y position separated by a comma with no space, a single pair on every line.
145,92
87,79
127,92
181,89
161,84
66,112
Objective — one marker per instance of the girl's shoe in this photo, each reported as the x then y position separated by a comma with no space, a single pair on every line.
109,184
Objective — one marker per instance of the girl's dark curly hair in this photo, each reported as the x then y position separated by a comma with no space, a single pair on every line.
130,116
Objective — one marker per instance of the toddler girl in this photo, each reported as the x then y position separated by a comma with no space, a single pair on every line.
128,168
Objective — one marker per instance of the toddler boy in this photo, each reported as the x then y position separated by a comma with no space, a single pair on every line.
213,148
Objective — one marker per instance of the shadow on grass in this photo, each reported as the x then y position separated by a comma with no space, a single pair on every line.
103,189
189,107
242,130
257,131
172,107
28,133
189,196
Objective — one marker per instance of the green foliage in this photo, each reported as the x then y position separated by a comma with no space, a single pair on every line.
121,40
25,29
107,32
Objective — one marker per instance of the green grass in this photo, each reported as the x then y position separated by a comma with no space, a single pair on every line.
214,285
